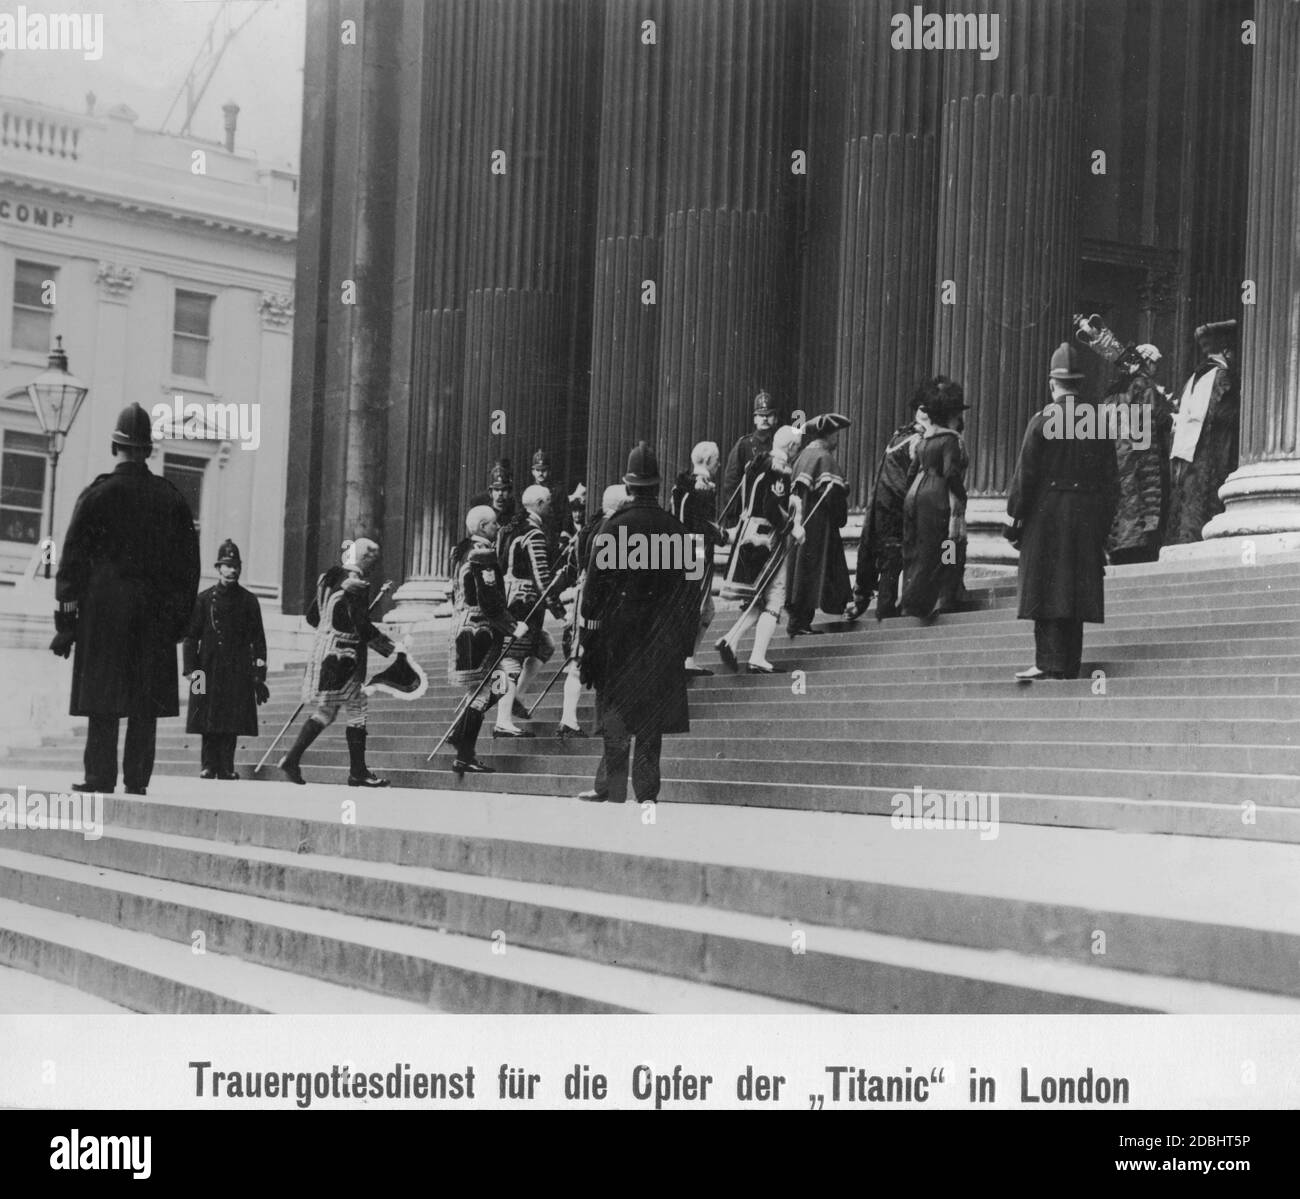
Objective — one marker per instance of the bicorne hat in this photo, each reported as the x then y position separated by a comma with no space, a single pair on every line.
134,428
1217,335
1065,363
642,466
228,555
764,405
501,475
825,425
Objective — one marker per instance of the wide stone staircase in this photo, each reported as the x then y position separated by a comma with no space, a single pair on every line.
1145,855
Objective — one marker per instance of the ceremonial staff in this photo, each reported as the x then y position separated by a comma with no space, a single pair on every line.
258,768
505,649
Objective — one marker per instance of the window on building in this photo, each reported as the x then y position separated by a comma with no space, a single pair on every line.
33,317
22,486
186,474
191,333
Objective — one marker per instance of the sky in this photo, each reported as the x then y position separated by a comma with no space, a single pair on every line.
149,48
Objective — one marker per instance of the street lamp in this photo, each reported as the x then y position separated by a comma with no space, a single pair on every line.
56,395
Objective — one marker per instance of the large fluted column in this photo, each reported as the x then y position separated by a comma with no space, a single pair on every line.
722,289
525,258
339,401
1262,496
625,332
1009,175
888,233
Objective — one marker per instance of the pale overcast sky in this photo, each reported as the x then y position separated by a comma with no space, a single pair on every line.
149,47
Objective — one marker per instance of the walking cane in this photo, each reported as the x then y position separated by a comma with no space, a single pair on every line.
538,702
505,649
258,769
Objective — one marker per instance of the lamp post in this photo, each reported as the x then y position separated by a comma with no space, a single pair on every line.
56,395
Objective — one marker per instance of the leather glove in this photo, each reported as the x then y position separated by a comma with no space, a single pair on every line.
262,691
63,643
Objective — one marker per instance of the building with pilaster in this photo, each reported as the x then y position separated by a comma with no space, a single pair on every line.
166,265
576,223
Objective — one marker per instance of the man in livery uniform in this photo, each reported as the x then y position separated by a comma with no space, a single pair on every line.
528,561
481,624
224,656
761,538
340,614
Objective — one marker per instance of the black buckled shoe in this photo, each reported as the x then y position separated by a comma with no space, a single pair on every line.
291,772
207,773
518,711
463,766
727,654
233,777
512,733
369,779
567,733
754,668
798,630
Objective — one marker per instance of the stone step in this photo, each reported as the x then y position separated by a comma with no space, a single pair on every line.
420,966
23,994
1030,890
146,973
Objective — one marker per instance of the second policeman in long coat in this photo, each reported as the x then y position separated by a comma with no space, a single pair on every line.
638,629
1064,495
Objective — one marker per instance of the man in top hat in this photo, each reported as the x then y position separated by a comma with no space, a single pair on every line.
1063,496
126,585
817,575
637,629
224,657
1205,435
336,670
747,453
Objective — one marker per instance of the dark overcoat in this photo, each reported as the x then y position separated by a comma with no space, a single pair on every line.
938,479
1065,491
226,642
817,575
130,563
635,652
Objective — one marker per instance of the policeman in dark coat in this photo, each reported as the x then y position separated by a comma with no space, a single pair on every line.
1064,495
499,496
224,657
745,453
638,617
558,519
127,580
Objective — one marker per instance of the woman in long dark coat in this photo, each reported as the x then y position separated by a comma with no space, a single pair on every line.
224,655
1141,454
937,486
